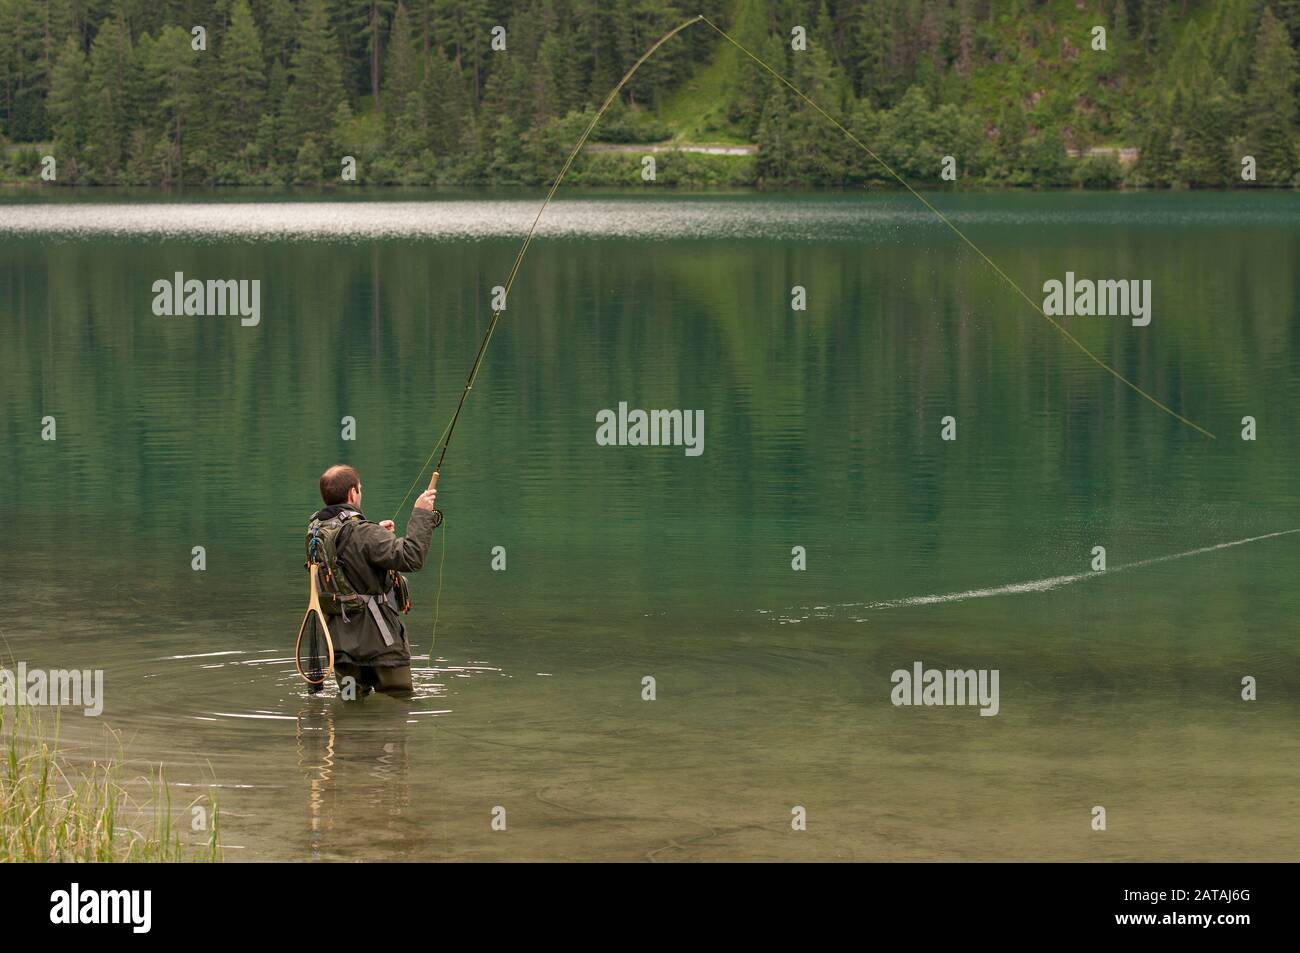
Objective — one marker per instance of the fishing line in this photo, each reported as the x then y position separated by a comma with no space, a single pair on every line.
960,234
1051,582
437,602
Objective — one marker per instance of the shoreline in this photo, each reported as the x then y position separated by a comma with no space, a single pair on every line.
335,189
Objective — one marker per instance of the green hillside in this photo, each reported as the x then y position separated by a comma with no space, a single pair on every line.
433,92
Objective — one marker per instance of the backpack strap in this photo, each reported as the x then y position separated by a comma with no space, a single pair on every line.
372,603
348,518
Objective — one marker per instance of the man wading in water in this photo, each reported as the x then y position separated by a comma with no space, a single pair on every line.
362,590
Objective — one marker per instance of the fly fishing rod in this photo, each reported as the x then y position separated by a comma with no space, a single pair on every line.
532,229
445,440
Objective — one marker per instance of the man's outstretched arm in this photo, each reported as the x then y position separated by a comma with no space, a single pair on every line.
402,553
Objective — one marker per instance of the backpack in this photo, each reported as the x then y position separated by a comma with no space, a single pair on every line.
337,593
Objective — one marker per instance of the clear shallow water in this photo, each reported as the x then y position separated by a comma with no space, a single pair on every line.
821,430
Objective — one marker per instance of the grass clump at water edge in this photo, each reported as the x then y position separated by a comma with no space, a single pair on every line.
54,811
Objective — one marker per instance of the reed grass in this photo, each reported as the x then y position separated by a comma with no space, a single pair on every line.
54,811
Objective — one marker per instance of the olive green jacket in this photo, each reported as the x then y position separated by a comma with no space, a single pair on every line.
366,551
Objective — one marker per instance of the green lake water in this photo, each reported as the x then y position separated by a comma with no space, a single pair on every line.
821,430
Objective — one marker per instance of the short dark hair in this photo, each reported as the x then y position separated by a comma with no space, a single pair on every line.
337,482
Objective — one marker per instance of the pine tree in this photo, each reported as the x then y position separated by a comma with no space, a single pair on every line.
377,13
279,24
317,87
745,101
109,99
172,68
602,45
1157,156
1270,103
446,106
472,37
1205,161
274,146
638,24
402,71
406,121
559,81
67,100
24,69
241,81
820,150
776,155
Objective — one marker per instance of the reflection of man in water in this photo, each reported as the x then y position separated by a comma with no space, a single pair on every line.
359,791
370,642
316,758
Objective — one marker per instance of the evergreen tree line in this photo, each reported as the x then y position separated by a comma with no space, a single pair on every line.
281,90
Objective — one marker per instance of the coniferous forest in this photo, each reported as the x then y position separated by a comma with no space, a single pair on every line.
276,92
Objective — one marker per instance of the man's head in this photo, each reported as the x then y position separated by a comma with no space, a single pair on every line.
340,484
